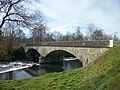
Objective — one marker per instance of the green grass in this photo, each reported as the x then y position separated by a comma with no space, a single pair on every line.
104,74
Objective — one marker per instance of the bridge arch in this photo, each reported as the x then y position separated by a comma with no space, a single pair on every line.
85,54
33,55
57,56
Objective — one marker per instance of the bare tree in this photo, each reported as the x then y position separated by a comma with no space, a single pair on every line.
38,32
14,11
56,35
9,34
90,29
115,36
98,34
48,37
79,35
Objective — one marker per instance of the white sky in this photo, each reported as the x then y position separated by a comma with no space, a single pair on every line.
66,15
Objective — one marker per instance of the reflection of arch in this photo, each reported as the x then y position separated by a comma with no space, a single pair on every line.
72,64
57,56
43,69
33,54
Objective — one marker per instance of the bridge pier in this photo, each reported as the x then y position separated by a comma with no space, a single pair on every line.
111,44
41,59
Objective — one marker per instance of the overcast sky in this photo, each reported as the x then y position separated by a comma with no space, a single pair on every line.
66,15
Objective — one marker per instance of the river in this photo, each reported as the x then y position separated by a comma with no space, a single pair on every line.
39,70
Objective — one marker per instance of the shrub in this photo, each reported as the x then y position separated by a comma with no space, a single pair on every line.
4,56
18,53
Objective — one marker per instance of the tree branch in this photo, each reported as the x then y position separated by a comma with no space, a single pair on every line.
15,20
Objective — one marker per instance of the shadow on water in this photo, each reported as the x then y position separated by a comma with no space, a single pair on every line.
43,69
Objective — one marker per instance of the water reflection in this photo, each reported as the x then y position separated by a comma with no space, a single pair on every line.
40,70
15,75
68,65
43,69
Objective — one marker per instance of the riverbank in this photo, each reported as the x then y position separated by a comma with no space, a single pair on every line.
104,74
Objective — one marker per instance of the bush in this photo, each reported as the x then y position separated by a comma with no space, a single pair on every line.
4,56
18,53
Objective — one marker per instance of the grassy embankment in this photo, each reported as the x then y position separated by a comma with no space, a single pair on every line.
103,75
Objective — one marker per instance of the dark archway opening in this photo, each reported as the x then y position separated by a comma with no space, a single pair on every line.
33,55
65,58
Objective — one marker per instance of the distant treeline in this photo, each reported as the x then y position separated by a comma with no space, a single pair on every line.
10,41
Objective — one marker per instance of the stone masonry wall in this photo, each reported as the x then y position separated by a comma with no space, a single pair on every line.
84,54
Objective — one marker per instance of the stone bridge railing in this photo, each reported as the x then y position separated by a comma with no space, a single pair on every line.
102,43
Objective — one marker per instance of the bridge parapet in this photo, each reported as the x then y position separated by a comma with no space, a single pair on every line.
101,43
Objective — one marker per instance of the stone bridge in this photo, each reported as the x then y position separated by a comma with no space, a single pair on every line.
54,52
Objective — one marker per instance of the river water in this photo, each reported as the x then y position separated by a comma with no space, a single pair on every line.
39,70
